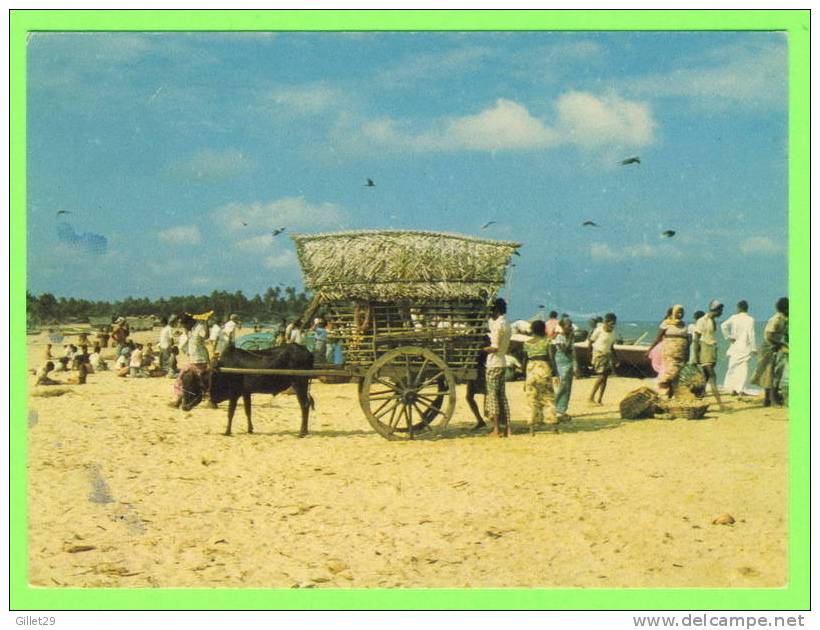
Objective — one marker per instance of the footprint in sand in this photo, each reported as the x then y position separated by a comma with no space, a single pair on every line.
100,492
128,515
33,418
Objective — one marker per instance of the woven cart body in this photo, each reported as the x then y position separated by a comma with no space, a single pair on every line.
410,309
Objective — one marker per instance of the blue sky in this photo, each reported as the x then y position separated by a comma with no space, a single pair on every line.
160,147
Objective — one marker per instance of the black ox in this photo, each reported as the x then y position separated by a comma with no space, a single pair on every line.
224,386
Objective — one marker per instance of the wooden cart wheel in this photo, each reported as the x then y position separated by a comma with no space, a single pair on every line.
408,391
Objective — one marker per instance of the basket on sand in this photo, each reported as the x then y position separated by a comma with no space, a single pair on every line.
692,410
639,403
691,381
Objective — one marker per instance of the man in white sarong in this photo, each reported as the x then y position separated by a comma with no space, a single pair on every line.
739,331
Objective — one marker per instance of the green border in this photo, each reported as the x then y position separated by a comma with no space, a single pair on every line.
793,597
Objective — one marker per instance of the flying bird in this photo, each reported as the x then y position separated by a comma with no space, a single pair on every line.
590,224
370,183
278,231
668,233
516,252
155,94
631,160
488,224
59,212
244,223
542,306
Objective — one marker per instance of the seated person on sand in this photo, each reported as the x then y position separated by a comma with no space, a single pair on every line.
135,364
148,355
42,373
83,371
96,361
61,365
81,356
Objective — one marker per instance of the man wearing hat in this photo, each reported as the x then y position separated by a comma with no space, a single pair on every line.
705,345
119,333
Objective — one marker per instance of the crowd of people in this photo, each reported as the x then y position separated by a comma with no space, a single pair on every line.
551,362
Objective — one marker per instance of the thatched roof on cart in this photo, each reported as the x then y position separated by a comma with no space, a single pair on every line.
389,265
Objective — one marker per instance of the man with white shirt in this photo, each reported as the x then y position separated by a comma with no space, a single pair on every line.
496,405
166,340
739,331
227,336
213,333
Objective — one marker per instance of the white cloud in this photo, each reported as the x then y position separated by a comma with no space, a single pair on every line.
181,235
201,281
760,245
256,244
589,121
306,99
748,76
603,252
507,125
288,212
426,66
584,120
208,164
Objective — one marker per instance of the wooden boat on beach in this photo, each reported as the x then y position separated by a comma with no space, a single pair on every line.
631,359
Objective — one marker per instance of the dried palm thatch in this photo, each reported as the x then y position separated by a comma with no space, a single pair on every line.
389,265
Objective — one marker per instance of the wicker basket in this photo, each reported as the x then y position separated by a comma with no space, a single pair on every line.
680,409
691,381
639,403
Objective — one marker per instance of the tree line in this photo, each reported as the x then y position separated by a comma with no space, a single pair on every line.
274,304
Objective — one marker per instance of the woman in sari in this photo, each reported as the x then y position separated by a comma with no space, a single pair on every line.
774,353
674,337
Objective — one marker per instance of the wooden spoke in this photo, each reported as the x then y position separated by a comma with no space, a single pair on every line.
392,386
384,391
430,400
382,406
395,417
381,413
431,380
410,378
426,410
421,372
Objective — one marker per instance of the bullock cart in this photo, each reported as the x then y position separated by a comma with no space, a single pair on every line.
410,310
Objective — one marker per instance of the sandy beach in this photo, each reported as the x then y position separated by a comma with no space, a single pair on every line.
125,491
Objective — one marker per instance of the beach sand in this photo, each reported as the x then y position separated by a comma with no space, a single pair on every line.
125,491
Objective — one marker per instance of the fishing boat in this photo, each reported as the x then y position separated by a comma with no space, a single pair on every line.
631,360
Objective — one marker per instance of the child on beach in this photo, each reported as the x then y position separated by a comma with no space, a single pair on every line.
602,341
135,363
538,385
562,352
42,377
96,360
